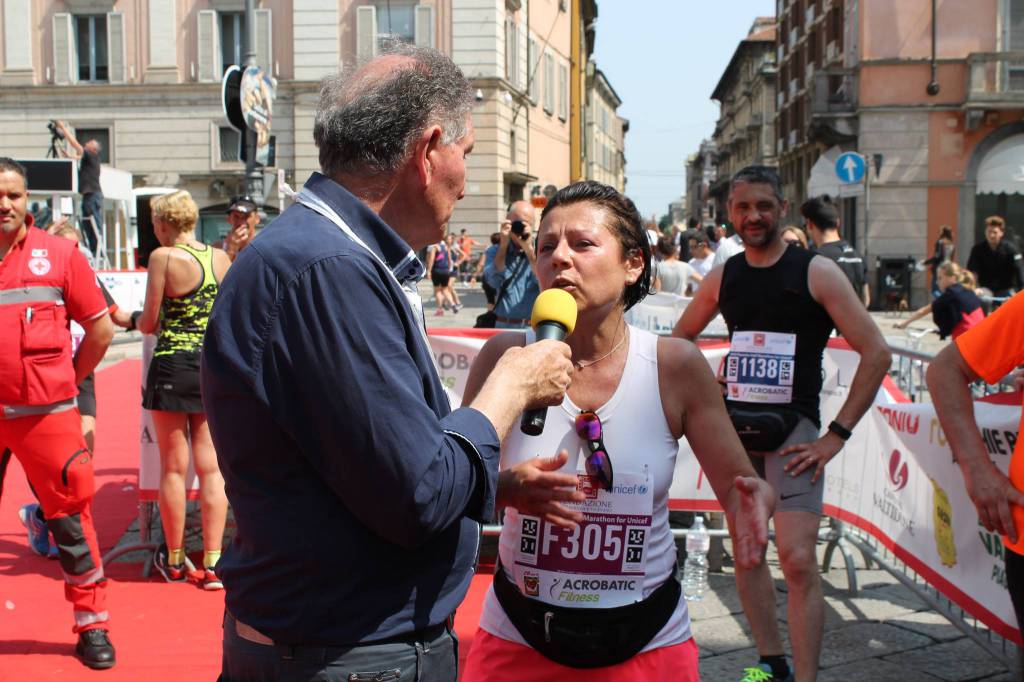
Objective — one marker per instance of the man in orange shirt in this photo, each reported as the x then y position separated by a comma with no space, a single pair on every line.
989,350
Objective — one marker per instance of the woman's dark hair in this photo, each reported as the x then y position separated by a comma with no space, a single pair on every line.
946,232
666,248
496,237
821,211
624,222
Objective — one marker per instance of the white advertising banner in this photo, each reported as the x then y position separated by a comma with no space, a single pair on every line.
659,313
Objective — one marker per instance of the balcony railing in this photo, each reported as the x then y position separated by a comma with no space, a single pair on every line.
995,78
835,92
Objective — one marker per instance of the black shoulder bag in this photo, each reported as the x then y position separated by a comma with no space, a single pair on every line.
488,319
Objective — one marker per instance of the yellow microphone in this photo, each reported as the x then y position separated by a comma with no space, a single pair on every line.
554,317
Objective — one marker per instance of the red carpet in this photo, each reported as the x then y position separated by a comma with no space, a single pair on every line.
161,631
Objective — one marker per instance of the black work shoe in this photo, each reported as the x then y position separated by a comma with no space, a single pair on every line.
95,650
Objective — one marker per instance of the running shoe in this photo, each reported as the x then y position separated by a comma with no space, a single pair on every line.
439,312
211,581
456,308
762,672
38,533
176,573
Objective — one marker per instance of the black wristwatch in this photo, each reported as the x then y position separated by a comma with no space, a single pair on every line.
840,430
133,320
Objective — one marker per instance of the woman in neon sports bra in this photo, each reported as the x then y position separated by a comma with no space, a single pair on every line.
586,577
183,278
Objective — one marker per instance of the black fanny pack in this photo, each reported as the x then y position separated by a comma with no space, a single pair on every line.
587,638
763,430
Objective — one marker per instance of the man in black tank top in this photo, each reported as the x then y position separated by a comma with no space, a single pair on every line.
822,217
780,304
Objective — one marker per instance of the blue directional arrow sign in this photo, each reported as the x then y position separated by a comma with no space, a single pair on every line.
850,167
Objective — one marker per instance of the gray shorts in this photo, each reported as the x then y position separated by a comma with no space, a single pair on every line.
794,493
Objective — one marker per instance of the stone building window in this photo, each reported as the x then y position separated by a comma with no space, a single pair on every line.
91,48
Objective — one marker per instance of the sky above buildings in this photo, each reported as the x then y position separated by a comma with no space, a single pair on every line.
664,57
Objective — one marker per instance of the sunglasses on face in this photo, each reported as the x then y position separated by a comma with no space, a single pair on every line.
598,463
794,242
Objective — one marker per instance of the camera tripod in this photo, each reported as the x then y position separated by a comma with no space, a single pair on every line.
53,152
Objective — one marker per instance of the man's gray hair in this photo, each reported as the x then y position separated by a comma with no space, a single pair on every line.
366,123
758,175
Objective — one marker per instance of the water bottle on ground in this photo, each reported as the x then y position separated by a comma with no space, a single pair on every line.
695,570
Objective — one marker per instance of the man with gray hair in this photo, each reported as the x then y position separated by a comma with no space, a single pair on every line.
356,489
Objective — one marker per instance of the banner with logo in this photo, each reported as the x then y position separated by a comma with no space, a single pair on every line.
895,479
659,313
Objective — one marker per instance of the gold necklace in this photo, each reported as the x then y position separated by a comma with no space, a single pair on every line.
581,365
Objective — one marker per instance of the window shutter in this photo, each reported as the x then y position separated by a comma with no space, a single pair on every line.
209,52
115,47
264,41
18,25
563,92
532,68
549,83
65,70
366,32
425,26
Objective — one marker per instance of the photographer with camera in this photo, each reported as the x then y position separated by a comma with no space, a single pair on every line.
88,182
511,271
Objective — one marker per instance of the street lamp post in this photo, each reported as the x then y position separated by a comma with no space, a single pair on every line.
253,172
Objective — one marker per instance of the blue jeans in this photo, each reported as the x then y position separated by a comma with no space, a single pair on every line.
92,205
406,661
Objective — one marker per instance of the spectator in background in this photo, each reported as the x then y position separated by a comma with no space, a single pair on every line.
88,185
995,262
440,266
716,233
823,225
485,259
672,275
944,252
653,234
794,236
957,308
727,246
243,216
988,351
87,387
703,258
458,258
184,276
466,269
512,268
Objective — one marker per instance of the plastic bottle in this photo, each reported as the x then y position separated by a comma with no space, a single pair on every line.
695,570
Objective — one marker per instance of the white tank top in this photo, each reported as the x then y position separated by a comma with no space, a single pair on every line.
639,442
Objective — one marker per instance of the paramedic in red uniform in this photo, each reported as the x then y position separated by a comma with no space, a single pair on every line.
44,282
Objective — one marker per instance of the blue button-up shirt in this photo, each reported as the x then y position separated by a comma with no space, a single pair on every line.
356,490
522,288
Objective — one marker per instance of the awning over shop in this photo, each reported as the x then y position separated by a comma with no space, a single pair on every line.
1002,169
